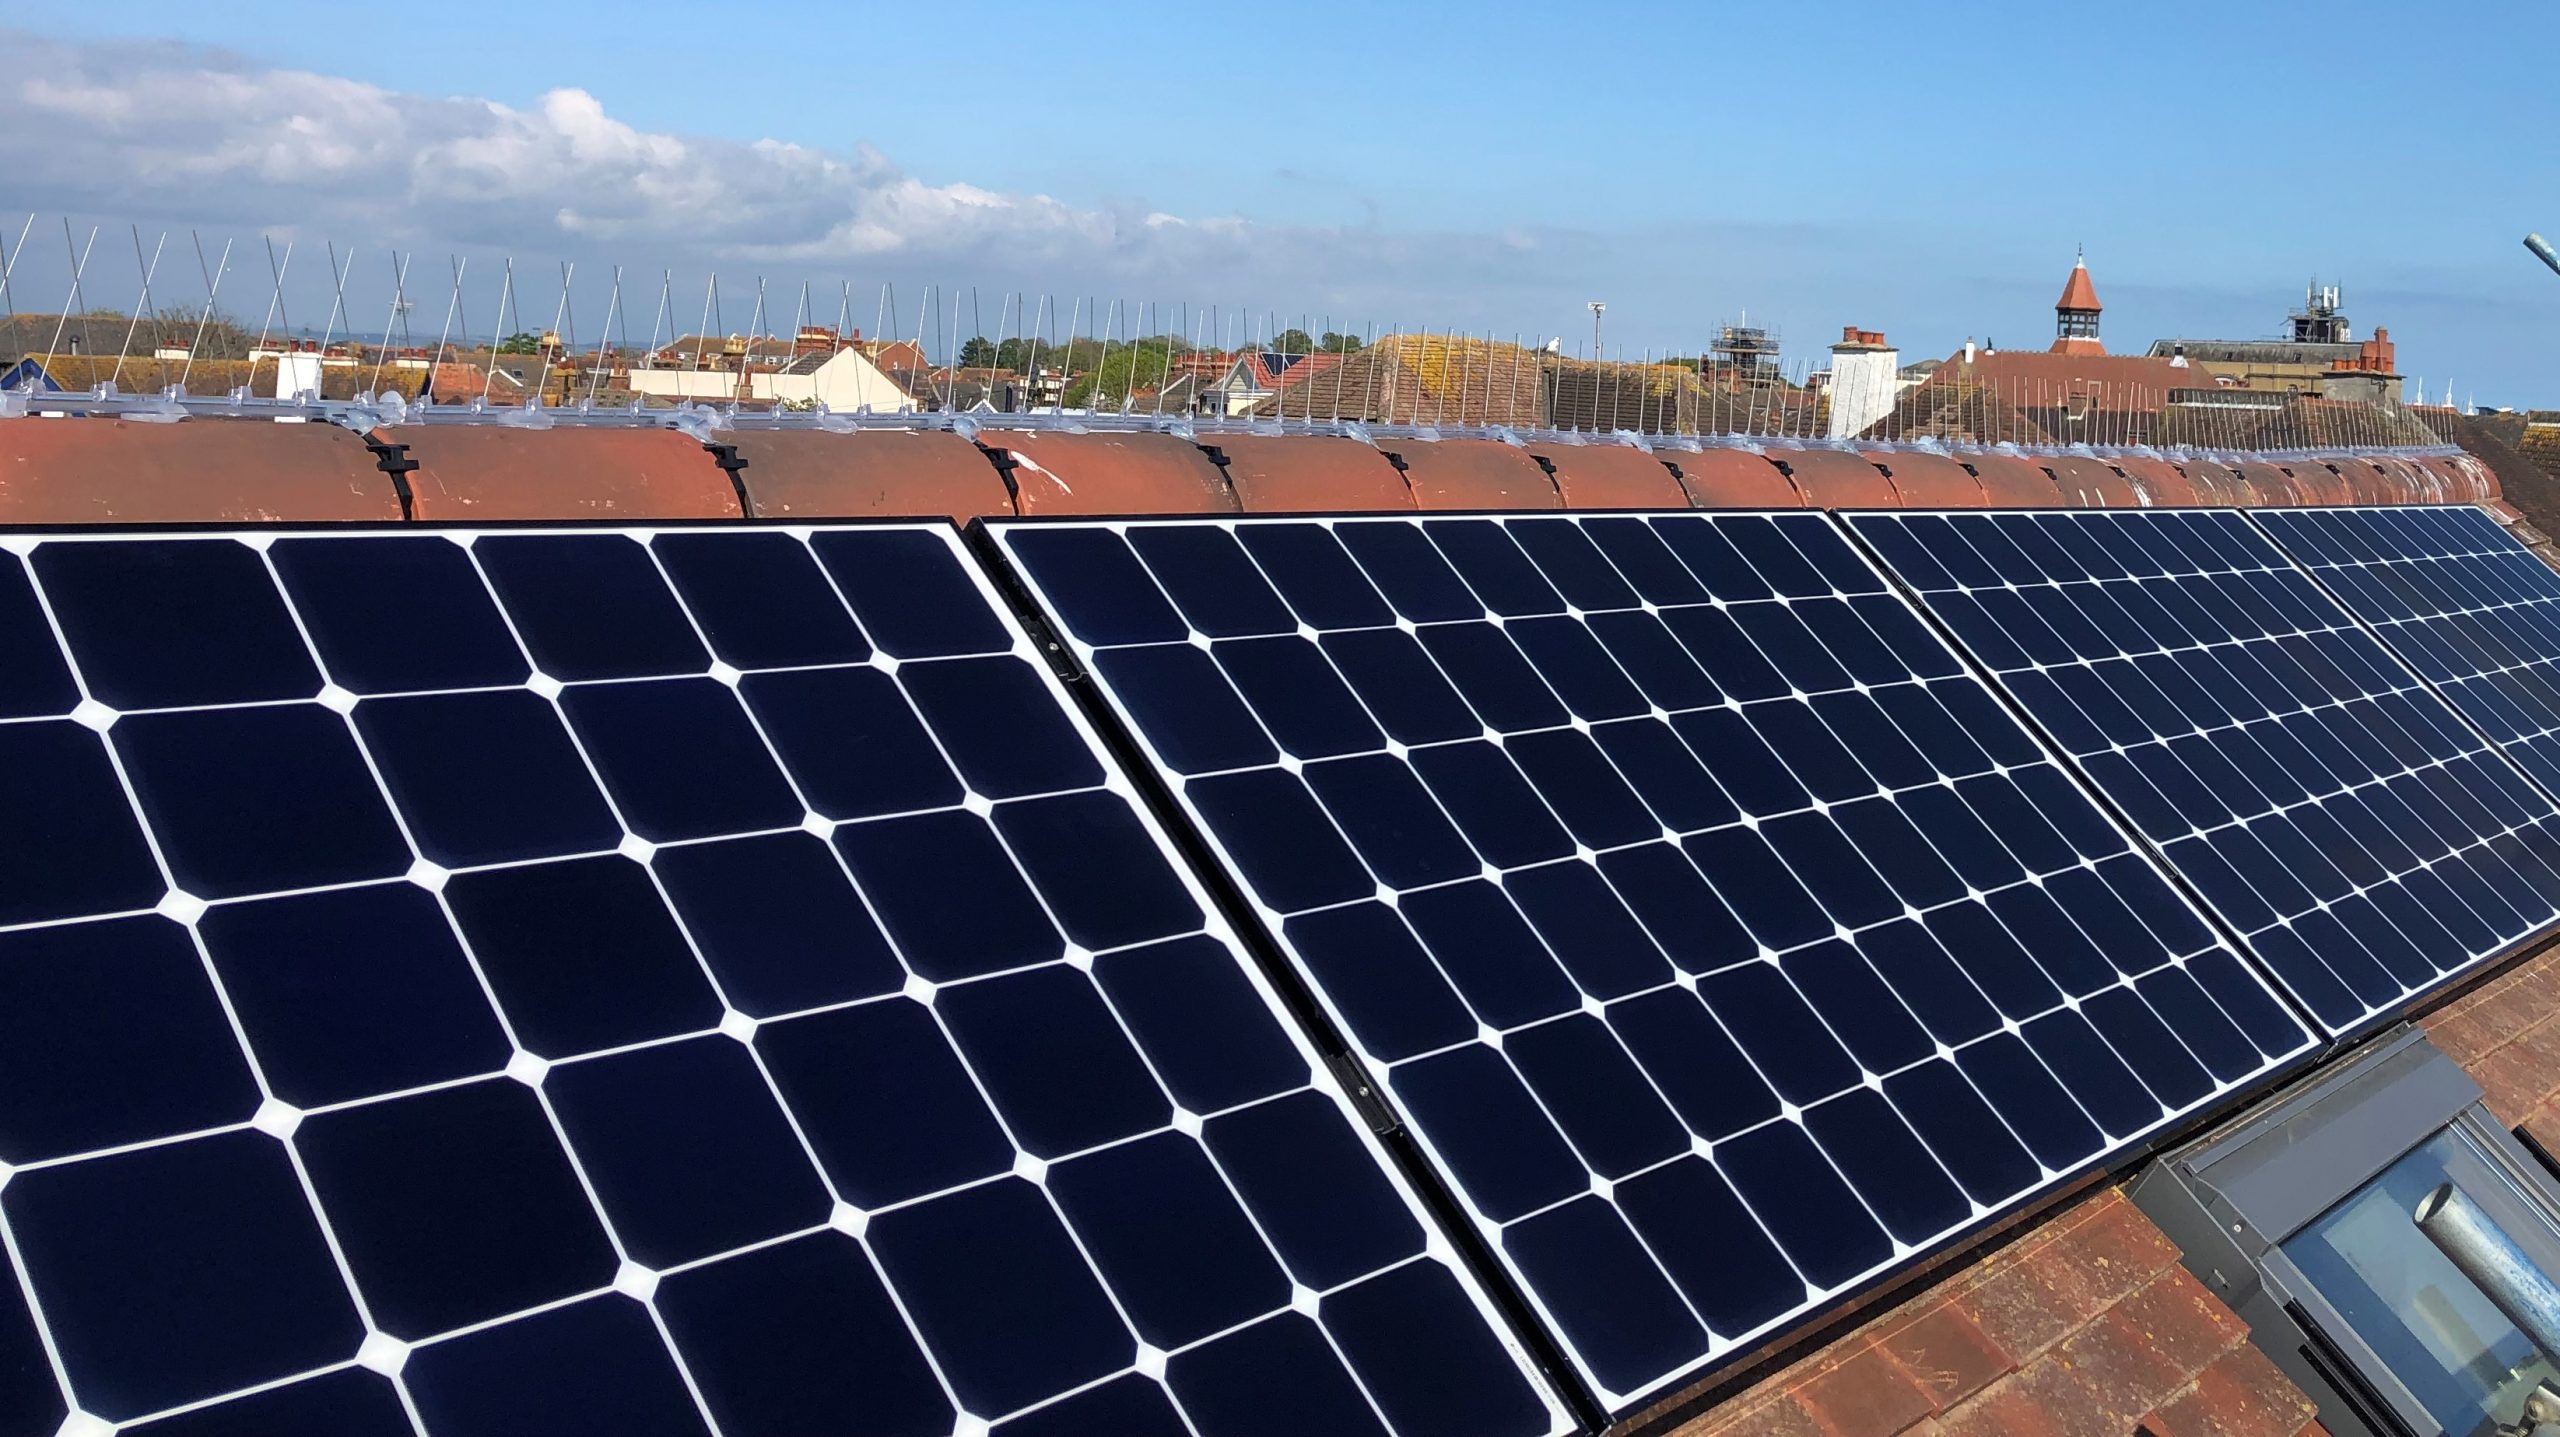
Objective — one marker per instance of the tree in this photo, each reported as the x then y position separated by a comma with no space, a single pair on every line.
1333,343
521,342
1291,341
1018,354
221,336
979,352
1113,377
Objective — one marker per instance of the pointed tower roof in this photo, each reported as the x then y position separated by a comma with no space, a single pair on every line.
2079,293
2075,315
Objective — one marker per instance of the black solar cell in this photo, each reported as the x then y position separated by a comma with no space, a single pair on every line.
1722,939
675,981
2367,843
2463,603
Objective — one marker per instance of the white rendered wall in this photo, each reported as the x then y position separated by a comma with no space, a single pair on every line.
1864,387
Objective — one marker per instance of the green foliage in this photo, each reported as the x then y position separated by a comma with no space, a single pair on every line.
1298,341
1020,354
1075,356
1113,377
520,342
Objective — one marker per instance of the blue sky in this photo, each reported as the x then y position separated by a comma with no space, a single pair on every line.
1923,169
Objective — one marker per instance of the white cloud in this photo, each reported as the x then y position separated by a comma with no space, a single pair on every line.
177,136
164,130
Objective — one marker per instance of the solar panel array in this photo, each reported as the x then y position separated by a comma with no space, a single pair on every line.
2366,842
713,980
661,982
2471,610
1720,937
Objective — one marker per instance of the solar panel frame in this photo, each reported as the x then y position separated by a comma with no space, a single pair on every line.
2462,602
1361,1297
2171,575
1160,735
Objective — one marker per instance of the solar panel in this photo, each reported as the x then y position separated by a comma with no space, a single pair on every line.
2366,843
1722,941
668,981
2474,612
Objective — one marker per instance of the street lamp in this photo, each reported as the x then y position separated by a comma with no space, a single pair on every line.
1596,307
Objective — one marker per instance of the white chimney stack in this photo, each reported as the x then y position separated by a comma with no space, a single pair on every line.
1865,381
298,373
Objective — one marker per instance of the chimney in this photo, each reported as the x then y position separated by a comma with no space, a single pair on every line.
2369,378
813,339
1968,349
1865,381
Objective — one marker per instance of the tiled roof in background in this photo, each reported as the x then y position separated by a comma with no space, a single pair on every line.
1277,371
1956,412
2028,377
1421,379
2243,351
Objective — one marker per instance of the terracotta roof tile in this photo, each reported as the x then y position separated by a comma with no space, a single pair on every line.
1947,1353
2078,292
2042,379
1279,371
1865,1390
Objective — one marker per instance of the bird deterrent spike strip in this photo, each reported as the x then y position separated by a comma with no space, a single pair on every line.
1082,360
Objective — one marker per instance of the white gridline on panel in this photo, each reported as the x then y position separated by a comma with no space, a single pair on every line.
2442,606
1722,1344
1185,1123
2411,690
2080,590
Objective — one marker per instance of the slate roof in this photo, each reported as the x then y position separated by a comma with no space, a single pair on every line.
2253,351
